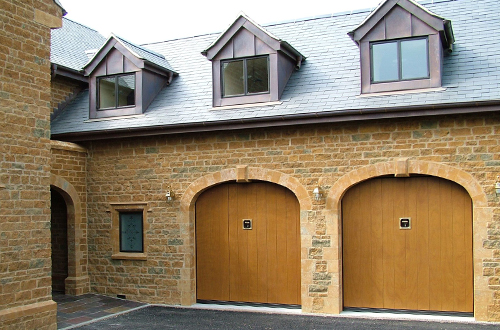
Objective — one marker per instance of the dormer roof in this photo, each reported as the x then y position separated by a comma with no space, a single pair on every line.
245,22
435,21
140,56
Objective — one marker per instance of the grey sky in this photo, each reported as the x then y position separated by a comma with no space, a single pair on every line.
144,21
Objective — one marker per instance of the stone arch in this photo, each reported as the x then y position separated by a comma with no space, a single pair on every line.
77,281
481,215
187,214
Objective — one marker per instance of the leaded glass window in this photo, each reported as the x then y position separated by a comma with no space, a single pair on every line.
131,232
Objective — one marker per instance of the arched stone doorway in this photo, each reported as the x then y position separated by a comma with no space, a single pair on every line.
244,174
481,215
77,280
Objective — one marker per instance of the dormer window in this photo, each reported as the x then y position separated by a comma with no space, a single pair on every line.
397,60
116,91
245,76
250,65
124,79
401,47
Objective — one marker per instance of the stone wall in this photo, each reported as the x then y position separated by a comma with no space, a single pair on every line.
463,148
69,179
25,267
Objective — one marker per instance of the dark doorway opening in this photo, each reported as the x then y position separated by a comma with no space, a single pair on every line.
59,238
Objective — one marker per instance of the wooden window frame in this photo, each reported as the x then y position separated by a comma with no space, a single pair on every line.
399,58
116,209
245,76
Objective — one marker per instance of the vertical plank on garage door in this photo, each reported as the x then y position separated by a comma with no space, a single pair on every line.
421,224
281,246
272,254
261,227
461,244
388,195
436,292
412,245
254,198
242,291
447,238
212,231
234,251
376,236
292,215
399,237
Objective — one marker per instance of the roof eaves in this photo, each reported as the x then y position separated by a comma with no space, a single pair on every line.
280,120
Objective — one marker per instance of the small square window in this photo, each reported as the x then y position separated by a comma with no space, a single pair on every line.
116,91
131,232
128,231
398,60
245,76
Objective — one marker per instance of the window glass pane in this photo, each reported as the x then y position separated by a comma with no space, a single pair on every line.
126,90
257,75
232,78
107,97
385,62
131,232
414,59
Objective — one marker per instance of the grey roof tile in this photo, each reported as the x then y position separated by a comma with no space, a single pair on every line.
328,81
69,43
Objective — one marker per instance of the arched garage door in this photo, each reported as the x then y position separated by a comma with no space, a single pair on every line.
260,263
424,263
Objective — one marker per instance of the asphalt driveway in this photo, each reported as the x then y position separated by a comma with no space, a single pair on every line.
159,317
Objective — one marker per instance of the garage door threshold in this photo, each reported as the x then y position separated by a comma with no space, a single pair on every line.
348,313
437,316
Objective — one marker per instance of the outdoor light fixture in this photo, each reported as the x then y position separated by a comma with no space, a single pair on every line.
317,194
497,186
169,194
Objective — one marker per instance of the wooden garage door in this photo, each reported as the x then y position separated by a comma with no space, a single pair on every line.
427,267
258,265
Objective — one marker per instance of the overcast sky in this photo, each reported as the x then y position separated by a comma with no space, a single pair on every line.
144,21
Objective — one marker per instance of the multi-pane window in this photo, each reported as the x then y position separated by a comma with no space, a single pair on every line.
116,91
131,232
405,59
245,76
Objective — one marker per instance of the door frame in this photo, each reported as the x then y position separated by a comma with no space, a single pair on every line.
243,174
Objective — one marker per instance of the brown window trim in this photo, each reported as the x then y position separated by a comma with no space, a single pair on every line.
115,209
116,76
245,74
400,60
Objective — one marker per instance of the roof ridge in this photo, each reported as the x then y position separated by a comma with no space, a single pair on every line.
83,25
140,47
303,19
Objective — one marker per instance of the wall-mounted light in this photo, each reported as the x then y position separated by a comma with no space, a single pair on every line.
497,186
317,194
169,194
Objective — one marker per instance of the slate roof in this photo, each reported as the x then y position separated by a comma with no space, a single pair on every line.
326,86
69,43
146,54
